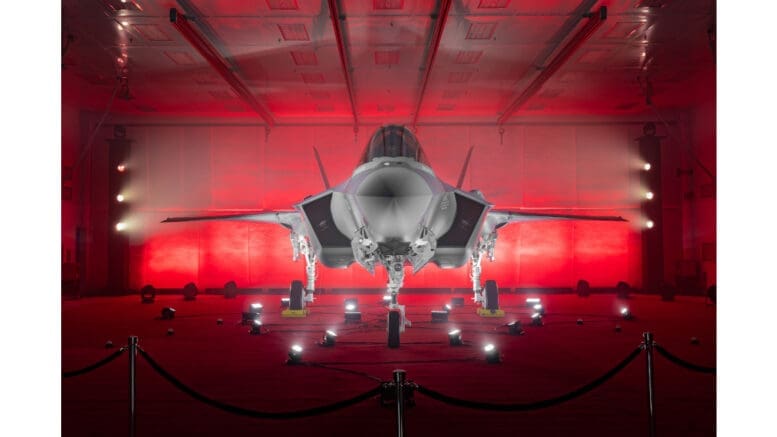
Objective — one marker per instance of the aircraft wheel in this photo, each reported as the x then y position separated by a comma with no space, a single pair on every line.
393,328
296,295
492,295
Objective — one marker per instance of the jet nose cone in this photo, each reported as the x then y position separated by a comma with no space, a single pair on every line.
394,201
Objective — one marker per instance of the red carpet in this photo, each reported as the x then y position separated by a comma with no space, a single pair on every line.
227,364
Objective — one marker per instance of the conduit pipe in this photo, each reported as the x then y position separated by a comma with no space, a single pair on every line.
439,27
595,20
214,58
334,14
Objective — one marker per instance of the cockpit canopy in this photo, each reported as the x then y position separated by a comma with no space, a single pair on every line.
393,141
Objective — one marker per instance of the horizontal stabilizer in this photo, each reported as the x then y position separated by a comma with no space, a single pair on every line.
284,218
496,219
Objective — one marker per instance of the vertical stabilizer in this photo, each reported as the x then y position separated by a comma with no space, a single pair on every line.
464,168
321,168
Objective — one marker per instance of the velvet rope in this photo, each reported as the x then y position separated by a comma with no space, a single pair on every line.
533,405
683,363
94,366
254,413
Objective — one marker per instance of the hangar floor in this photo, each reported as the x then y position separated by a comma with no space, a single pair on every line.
227,364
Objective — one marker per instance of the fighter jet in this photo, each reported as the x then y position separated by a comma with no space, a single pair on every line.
394,211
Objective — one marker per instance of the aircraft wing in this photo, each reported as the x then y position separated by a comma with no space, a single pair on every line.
498,218
287,219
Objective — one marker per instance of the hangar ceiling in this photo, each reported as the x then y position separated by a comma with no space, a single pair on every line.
286,53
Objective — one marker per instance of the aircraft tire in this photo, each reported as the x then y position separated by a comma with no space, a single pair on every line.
492,295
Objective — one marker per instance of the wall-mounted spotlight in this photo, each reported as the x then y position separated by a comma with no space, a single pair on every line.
120,198
295,355
626,314
492,354
121,167
329,339
536,319
168,313
649,224
121,226
539,308
454,337
447,308
647,166
649,195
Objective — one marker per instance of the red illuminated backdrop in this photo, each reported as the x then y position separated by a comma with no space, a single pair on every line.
185,170
571,147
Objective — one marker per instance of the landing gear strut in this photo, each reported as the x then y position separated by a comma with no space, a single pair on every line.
395,265
301,246
486,246
477,289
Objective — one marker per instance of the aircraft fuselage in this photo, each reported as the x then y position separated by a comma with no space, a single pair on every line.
394,210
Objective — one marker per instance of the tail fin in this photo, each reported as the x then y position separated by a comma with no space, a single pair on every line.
464,169
321,168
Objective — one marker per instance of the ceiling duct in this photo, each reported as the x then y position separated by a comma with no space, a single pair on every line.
334,14
219,64
595,20
439,27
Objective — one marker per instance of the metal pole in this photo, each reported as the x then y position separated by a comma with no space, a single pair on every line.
399,384
648,341
132,346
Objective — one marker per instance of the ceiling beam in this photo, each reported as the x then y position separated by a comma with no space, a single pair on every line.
595,20
439,27
221,65
345,63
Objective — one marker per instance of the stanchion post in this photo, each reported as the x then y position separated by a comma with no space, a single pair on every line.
399,385
132,348
648,342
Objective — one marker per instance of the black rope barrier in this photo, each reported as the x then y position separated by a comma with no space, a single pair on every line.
254,413
682,363
352,372
373,363
532,405
94,366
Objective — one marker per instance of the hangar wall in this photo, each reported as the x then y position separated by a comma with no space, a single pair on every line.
179,169
701,209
